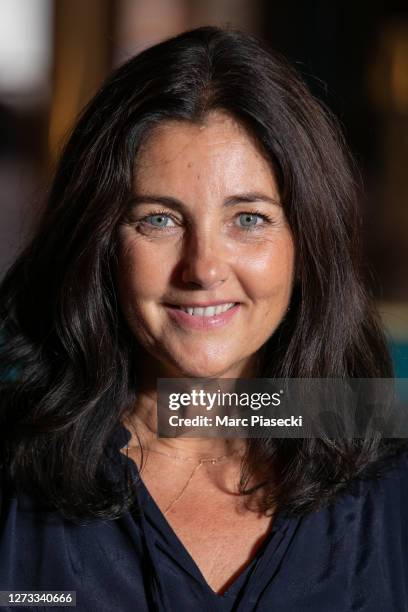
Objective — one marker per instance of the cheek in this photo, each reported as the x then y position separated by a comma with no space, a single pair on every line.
143,272
268,272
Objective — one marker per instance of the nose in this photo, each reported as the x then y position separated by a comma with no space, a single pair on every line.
205,262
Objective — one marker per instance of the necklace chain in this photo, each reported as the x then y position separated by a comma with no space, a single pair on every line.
211,460
180,495
199,463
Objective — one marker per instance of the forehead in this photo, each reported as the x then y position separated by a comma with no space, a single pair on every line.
219,147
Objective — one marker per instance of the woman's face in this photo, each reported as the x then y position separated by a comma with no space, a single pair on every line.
205,227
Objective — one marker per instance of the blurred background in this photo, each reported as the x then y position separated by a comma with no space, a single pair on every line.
354,56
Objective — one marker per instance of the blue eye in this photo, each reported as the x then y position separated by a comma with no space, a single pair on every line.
249,220
161,220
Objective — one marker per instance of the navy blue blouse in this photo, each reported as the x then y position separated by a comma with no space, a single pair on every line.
349,556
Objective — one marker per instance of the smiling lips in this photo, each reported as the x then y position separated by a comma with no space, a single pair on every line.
203,316
208,311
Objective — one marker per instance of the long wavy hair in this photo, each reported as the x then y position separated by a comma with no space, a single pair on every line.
67,357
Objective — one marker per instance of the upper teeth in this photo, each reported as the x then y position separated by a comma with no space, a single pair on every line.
210,311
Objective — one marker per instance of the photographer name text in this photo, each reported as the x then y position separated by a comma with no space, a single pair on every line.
226,421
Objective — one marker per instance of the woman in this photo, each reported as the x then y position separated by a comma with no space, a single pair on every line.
202,175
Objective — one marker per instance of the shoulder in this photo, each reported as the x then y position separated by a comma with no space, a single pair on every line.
390,492
372,515
392,479
376,508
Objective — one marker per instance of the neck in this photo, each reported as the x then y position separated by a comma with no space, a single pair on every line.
143,427
143,420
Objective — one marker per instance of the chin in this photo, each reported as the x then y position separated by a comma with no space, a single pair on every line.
218,372
202,370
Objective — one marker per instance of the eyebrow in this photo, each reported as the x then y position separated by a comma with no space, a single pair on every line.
170,202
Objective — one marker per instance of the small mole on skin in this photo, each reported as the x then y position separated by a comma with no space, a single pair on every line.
189,164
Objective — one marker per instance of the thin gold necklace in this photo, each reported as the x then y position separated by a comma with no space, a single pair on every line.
200,462
189,458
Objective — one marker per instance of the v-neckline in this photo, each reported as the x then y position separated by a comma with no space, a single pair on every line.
155,514
266,559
